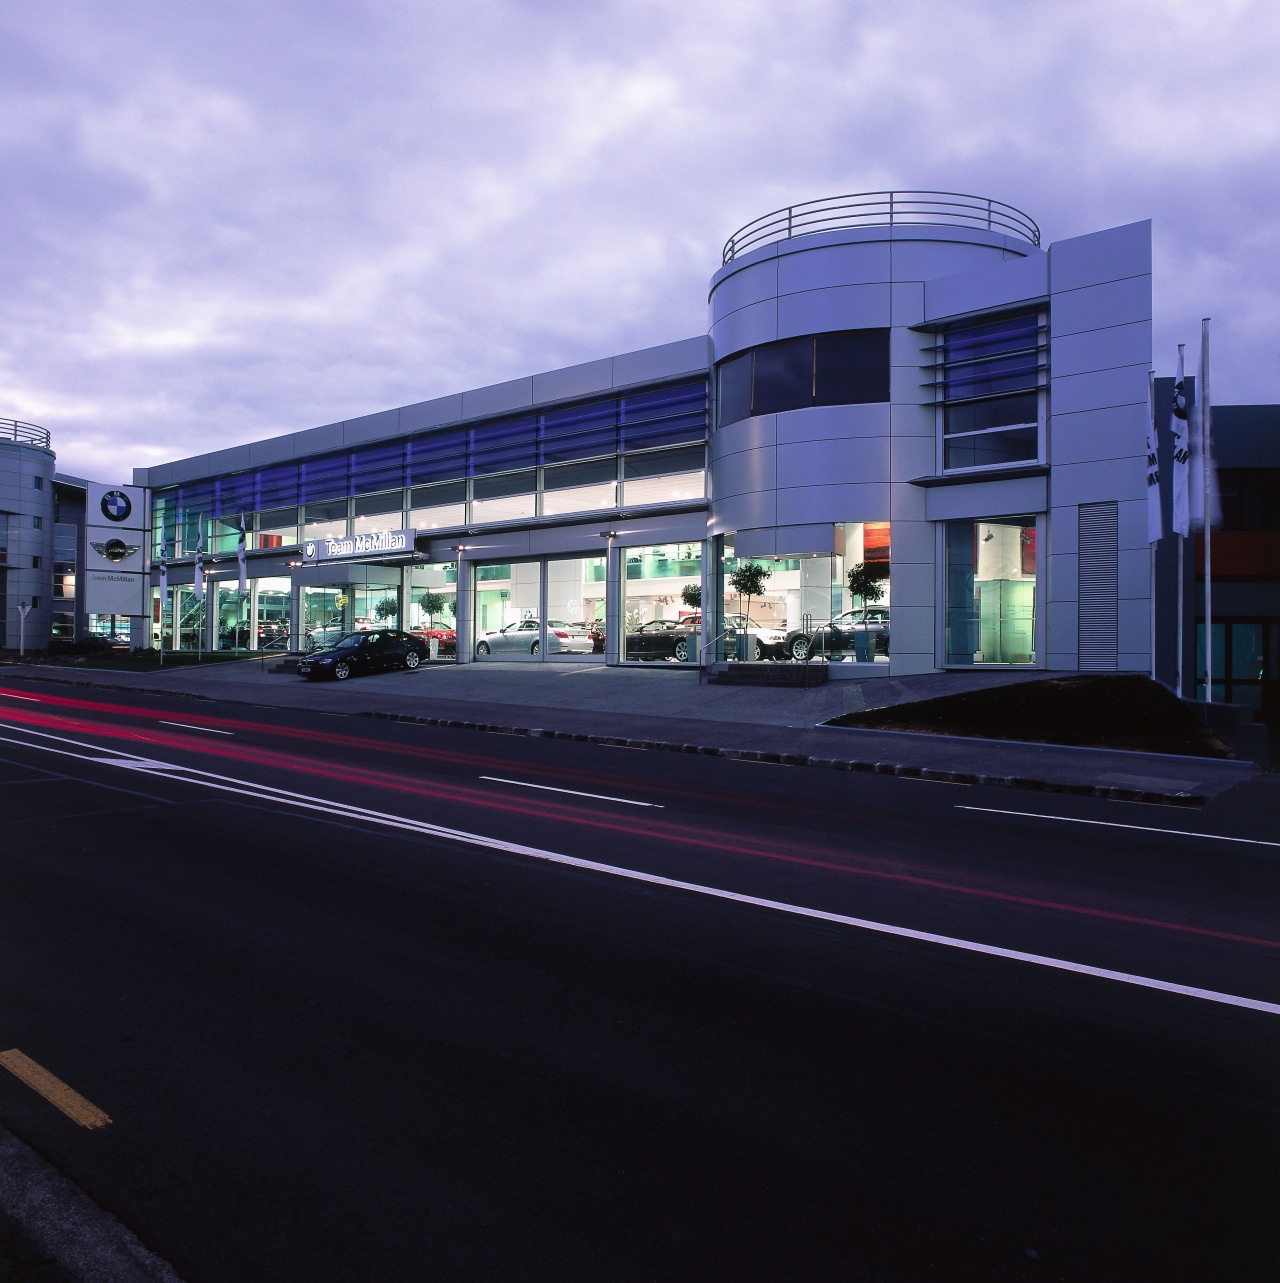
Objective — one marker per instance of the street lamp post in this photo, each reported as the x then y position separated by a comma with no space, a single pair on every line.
24,609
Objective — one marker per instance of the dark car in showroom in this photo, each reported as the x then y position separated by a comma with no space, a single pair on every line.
661,639
371,652
862,633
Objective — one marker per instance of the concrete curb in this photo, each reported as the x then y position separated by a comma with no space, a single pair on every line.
878,767
88,1243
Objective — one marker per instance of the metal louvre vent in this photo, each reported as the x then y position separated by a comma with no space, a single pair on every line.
1099,586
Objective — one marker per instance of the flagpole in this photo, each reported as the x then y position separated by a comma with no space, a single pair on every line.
1206,469
1155,511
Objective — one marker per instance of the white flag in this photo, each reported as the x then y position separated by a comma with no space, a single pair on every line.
1180,424
240,543
1155,513
164,576
198,582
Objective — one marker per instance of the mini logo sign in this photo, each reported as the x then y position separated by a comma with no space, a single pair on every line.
116,506
115,549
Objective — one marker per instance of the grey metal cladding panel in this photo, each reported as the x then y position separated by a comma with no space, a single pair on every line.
1099,390
430,414
752,284
574,380
1098,307
1113,433
1003,284
1107,349
744,472
317,440
1109,255
908,302
746,434
369,427
140,476
1135,572
236,458
924,260
190,469
756,543
685,356
911,457
498,398
843,307
834,422
744,260
821,268
857,459
273,450
1063,527
913,541
482,547
908,347
808,504
1133,524
913,582
747,327
745,510
1133,627
979,499
913,628
1124,478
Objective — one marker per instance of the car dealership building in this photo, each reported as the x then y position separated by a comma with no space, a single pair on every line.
907,383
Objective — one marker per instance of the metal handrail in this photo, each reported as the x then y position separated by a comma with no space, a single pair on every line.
881,209
24,433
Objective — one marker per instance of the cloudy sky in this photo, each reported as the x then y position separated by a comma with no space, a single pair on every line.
220,222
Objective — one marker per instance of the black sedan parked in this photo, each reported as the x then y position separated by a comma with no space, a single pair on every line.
860,633
370,652
661,639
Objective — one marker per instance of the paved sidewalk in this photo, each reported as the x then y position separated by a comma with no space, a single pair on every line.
669,709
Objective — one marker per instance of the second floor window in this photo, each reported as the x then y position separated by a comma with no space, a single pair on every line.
991,381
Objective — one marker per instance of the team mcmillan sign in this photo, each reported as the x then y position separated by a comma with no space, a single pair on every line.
383,541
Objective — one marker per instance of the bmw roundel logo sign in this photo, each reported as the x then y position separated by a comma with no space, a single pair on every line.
116,505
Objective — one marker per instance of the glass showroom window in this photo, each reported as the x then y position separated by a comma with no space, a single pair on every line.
991,381
664,476
273,611
278,528
849,367
327,614
325,520
510,496
506,610
438,507
377,512
433,603
991,591
659,623
234,626
575,607
580,487
190,616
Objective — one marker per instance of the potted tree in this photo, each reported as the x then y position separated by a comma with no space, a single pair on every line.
864,587
748,581
387,608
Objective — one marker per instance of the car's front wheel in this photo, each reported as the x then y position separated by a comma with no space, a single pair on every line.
533,650
759,652
412,659
482,648
800,648
342,670
682,651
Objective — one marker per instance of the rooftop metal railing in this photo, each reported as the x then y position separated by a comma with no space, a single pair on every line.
24,433
881,209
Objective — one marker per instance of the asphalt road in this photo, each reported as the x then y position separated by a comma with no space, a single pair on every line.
376,1001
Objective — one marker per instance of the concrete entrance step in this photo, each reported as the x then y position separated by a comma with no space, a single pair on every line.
760,674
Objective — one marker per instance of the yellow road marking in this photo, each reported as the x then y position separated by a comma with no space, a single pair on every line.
54,1090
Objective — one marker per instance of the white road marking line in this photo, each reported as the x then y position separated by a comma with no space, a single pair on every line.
602,797
1112,824
266,792
189,727
31,699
